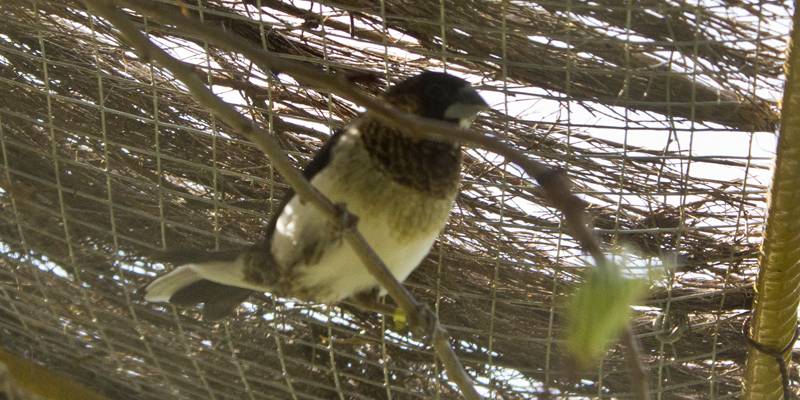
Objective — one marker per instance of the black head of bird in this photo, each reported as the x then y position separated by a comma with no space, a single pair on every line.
400,186
438,95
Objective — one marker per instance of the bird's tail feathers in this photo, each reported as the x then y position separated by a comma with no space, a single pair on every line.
214,279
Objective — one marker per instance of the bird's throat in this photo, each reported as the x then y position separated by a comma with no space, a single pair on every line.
429,166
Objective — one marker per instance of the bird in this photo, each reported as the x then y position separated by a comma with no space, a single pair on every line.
401,187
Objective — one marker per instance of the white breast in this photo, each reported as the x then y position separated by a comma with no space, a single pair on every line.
339,273
399,223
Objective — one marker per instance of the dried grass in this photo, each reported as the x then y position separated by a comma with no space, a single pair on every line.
98,188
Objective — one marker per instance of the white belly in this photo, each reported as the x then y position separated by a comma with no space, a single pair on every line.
340,273
399,223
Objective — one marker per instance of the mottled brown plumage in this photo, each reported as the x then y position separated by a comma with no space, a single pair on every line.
428,166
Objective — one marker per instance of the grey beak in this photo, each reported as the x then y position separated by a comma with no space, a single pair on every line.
468,104
469,96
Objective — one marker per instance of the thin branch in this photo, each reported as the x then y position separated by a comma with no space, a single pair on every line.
302,187
633,357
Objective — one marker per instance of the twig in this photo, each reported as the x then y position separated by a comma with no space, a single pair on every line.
302,187
636,369
555,183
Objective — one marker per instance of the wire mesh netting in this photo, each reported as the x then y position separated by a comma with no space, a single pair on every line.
662,113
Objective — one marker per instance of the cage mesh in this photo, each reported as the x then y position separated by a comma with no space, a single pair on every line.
662,112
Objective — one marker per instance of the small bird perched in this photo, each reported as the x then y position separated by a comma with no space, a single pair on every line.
401,187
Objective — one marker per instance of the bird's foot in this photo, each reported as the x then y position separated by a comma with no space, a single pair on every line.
368,301
424,322
345,219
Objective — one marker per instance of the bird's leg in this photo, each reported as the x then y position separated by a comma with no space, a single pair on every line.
345,219
368,301
424,322
343,222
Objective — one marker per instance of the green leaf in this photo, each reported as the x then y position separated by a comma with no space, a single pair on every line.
598,311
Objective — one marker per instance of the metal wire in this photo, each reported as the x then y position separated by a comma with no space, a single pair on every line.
107,162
